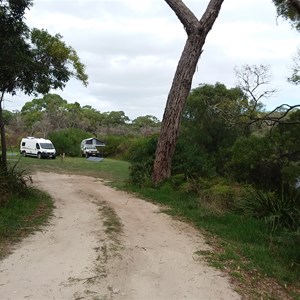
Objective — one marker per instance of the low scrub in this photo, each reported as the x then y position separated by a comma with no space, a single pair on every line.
141,159
68,141
13,182
217,193
278,211
20,215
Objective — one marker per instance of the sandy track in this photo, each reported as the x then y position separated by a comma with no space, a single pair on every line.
73,258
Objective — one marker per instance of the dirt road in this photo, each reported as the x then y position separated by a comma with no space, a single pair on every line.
105,244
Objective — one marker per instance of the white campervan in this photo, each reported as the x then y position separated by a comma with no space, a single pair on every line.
41,148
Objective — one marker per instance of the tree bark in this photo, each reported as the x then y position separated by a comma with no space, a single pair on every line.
197,32
3,166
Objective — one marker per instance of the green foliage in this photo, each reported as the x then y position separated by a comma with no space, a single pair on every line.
192,161
251,243
124,148
116,145
22,214
147,120
51,65
205,129
35,61
289,10
115,118
14,50
141,159
218,194
295,78
278,211
13,182
285,138
68,141
32,61
48,103
288,243
254,161
7,117
112,170
248,237
222,194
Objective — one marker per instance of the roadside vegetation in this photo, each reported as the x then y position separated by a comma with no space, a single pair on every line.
23,209
235,174
237,181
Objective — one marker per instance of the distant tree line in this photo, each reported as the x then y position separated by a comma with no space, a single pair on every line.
53,116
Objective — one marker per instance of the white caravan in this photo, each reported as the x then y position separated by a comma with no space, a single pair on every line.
41,148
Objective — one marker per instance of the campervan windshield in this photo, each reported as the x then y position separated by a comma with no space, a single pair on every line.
47,146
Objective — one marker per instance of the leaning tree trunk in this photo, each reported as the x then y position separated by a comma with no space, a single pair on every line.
181,86
3,161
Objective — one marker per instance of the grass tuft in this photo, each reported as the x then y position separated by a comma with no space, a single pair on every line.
20,216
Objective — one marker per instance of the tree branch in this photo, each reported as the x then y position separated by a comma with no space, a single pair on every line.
211,13
271,120
184,14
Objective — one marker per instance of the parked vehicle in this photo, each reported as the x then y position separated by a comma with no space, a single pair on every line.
37,147
90,147
89,150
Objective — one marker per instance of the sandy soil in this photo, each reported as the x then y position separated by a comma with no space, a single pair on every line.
75,258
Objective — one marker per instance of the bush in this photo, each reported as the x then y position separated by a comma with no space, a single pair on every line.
191,161
278,211
118,146
141,159
218,193
254,162
289,246
68,141
13,182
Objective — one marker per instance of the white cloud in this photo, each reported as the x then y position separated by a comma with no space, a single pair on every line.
131,49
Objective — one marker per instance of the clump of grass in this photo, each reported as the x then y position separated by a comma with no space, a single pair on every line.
20,216
278,211
13,182
111,244
22,208
111,222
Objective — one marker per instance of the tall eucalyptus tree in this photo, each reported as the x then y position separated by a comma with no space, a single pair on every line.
197,31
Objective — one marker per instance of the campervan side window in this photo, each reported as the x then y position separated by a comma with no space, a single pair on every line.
37,146
23,144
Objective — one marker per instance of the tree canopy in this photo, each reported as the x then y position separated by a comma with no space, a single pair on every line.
295,78
290,10
31,60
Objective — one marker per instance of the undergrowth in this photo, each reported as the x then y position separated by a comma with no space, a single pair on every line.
22,208
20,216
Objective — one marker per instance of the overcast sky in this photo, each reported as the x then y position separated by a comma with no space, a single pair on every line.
131,49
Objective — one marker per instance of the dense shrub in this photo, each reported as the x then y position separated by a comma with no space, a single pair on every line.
13,182
278,210
218,193
191,161
254,161
142,155
118,146
68,141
